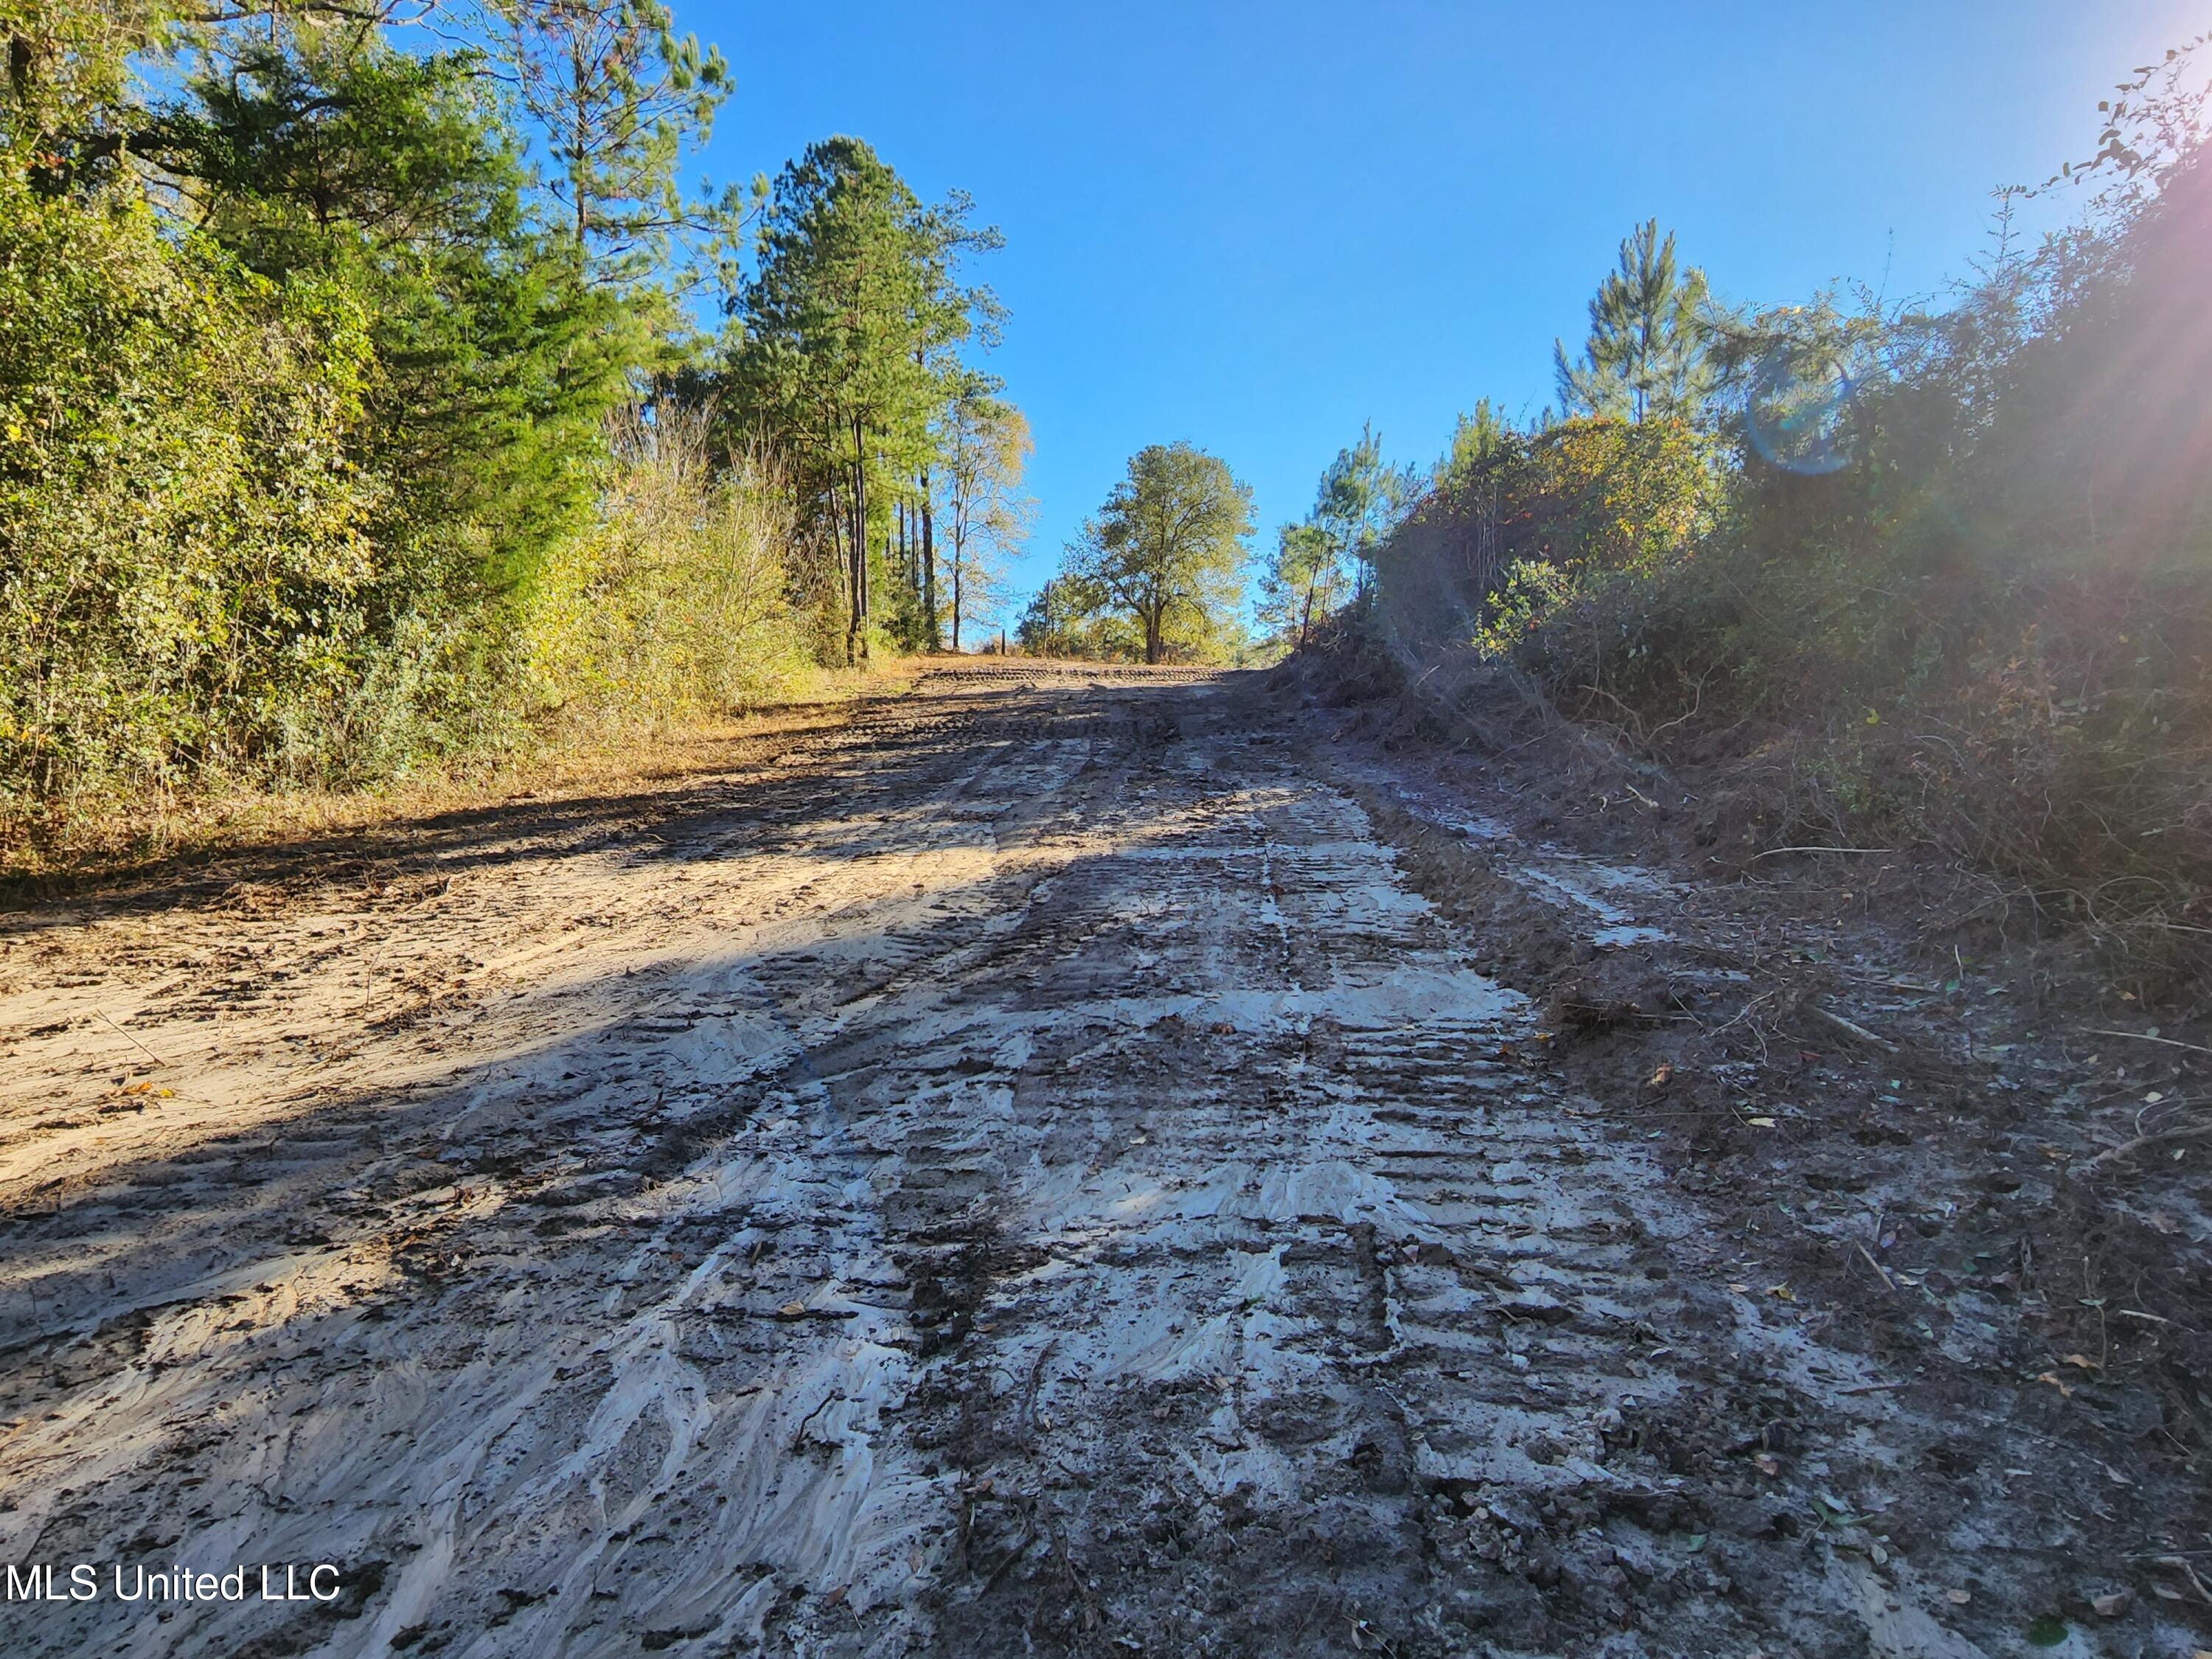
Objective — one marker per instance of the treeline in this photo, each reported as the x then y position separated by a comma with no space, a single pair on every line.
1931,575
372,392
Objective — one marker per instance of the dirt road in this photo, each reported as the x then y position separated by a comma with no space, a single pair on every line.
1015,1169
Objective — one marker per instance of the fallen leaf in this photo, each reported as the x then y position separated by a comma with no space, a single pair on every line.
1958,1598
2083,1362
1760,1123
1780,1291
1742,1289
2051,1378
792,1310
2112,1603
1664,1075
1767,1464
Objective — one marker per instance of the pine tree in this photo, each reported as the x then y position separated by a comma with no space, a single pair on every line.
1302,584
1361,499
617,98
849,334
1645,357
1477,440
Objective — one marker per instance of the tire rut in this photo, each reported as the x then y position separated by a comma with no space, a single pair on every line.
1026,1174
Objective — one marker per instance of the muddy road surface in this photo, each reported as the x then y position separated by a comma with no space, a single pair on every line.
1013,1169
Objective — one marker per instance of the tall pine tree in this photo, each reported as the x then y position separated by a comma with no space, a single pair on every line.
1646,357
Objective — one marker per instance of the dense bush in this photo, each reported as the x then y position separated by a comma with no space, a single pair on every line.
339,438
183,558
674,605
1966,603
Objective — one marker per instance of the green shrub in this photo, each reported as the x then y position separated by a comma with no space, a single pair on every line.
182,555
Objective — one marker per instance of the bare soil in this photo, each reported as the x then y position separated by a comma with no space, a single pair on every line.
1079,1160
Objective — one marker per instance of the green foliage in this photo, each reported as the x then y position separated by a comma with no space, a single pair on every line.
324,151
1360,501
672,606
68,118
1069,617
1303,585
618,97
310,464
1477,440
1167,553
1972,609
1646,357
847,359
183,562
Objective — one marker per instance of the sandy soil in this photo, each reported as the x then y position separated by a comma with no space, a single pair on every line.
1035,1165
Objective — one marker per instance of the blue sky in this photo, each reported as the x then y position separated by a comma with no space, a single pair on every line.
1255,225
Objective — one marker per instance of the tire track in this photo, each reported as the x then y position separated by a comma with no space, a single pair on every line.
1020,1174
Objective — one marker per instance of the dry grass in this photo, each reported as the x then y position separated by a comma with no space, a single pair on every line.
156,830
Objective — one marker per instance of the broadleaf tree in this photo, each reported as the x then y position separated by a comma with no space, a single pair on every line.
984,445
1167,550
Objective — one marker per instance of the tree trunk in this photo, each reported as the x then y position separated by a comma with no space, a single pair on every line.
844,563
929,565
581,139
956,596
856,636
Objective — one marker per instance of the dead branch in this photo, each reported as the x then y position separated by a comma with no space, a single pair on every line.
2164,1137
1852,1028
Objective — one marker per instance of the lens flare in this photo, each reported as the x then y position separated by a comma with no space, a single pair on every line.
1798,414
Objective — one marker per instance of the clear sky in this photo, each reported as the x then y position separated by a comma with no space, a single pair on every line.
1255,225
